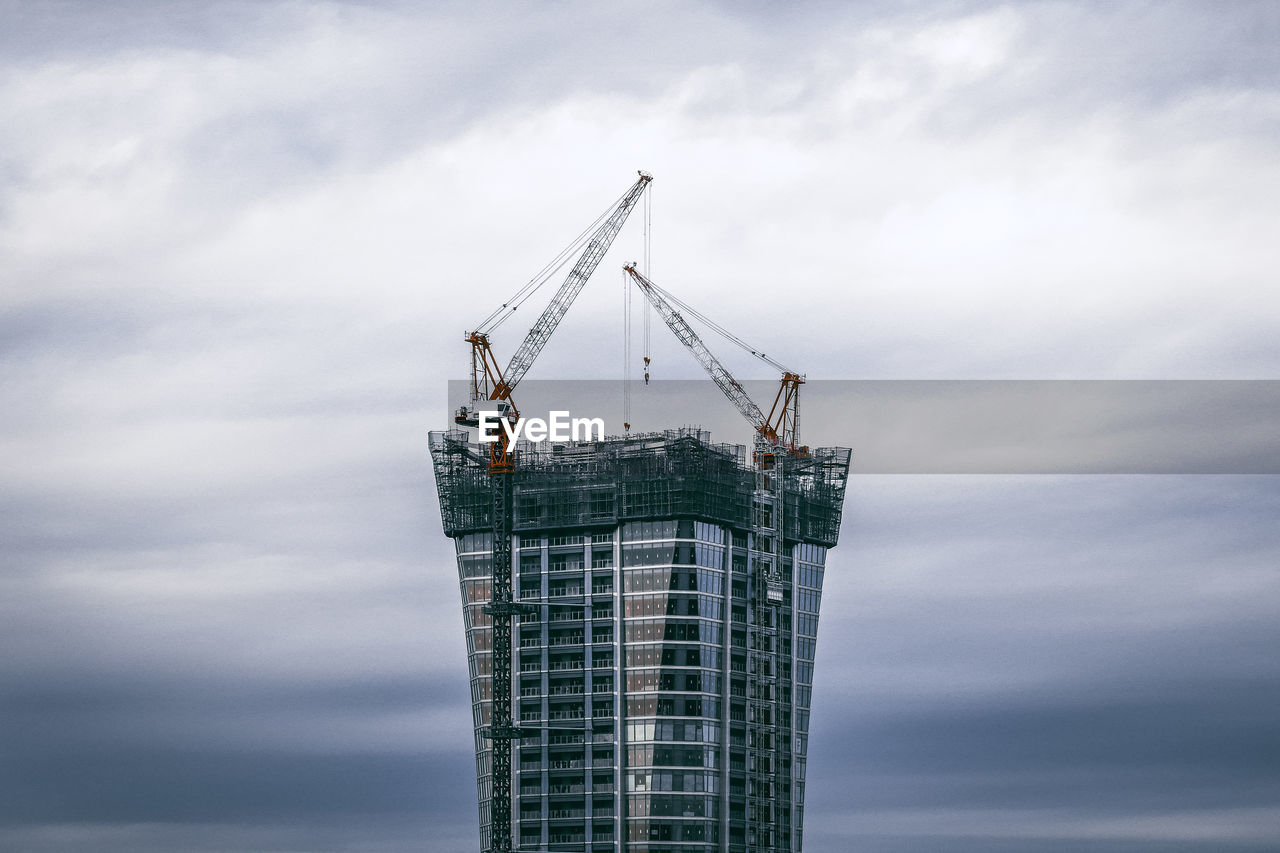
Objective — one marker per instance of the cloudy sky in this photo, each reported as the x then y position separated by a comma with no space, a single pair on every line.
240,243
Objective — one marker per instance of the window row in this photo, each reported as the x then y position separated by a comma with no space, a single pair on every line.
647,531
471,542
672,805
673,553
650,755
647,680
810,576
673,706
707,581
647,656
808,600
693,781
811,553
671,630
677,604
691,731
807,624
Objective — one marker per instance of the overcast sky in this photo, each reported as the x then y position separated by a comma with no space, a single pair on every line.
240,243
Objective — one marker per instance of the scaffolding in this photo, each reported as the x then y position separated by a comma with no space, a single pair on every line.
675,473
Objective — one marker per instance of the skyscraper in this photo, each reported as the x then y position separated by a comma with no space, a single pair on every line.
663,659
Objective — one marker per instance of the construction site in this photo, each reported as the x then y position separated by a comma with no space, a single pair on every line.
640,611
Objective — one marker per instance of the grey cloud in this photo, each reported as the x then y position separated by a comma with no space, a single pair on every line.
240,244
949,690
140,786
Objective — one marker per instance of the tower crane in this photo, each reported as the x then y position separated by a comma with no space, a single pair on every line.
491,383
780,429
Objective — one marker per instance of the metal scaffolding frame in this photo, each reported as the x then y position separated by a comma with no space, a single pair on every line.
676,473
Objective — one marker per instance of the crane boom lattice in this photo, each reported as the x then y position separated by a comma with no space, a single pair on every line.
781,427
546,324
693,342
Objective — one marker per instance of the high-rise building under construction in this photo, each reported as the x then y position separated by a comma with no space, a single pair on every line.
641,612
666,596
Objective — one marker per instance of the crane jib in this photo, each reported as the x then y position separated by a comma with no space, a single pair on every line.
577,278
781,425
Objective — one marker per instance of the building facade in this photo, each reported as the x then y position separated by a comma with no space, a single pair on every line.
663,668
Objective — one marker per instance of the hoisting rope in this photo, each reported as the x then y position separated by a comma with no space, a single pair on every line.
717,328
506,309
626,353
648,309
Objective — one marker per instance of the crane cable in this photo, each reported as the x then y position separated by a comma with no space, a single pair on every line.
717,328
626,353
648,309
501,314
626,320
